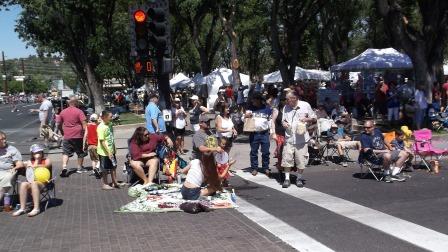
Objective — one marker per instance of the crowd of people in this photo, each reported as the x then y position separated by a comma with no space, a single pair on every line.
284,116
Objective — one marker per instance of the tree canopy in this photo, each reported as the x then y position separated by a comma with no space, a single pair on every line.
265,35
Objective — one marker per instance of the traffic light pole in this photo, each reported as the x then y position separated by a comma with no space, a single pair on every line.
5,85
163,84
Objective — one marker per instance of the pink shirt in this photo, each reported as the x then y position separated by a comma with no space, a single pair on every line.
71,119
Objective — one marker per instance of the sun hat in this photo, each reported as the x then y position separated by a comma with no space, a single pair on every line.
194,97
36,148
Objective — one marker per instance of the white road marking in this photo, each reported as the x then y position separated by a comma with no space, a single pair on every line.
19,114
285,232
410,232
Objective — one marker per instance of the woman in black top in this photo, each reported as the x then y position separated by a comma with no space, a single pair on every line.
195,112
278,131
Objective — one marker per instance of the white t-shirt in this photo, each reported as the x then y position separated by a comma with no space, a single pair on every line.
180,122
195,175
292,116
45,106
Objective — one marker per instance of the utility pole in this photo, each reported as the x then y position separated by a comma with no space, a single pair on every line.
23,73
5,84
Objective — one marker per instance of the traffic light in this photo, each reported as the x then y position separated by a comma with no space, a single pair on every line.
158,27
141,49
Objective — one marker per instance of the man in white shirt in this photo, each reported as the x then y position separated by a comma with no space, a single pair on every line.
45,115
296,116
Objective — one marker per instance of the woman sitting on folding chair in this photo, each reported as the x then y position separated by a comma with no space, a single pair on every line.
35,182
142,148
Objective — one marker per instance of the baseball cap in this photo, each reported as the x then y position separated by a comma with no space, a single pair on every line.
194,97
36,148
176,99
334,125
204,118
93,117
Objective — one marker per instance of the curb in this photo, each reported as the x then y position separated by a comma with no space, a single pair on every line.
127,125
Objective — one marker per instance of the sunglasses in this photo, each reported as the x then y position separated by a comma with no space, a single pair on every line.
368,127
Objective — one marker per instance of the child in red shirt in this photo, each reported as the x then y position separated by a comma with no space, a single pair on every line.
92,142
223,162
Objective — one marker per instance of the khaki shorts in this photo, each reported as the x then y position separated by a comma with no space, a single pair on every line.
92,153
352,145
6,178
295,156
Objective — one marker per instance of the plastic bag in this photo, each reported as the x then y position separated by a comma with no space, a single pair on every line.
193,207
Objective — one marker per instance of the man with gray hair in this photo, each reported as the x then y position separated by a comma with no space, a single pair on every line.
10,161
297,115
74,125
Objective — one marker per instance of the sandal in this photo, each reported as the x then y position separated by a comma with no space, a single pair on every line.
19,212
34,212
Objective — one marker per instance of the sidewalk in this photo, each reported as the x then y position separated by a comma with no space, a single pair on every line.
83,220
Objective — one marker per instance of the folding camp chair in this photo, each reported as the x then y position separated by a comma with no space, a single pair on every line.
371,163
321,148
48,193
424,149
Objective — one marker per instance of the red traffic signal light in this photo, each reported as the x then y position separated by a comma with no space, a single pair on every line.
139,16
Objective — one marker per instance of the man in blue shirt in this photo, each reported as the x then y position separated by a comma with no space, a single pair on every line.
373,148
154,119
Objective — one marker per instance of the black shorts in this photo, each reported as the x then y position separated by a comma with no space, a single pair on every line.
70,146
106,164
179,132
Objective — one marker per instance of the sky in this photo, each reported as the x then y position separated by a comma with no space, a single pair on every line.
9,40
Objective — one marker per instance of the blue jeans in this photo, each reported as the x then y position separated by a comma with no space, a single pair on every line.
256,140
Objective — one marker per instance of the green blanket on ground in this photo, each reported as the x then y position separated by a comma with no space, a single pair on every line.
167,198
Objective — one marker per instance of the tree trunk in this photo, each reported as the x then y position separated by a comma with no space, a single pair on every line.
96,88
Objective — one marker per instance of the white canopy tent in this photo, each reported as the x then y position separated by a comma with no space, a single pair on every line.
300,74
216,79
378,59
181,81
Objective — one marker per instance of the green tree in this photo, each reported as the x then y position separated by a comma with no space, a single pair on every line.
289,21
85,32
420,28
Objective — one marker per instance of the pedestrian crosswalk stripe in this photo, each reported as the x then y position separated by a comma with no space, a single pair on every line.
279,228
410,232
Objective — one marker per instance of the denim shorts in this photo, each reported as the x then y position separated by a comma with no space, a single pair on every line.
190,193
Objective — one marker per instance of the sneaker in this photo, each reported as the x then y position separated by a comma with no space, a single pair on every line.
299,183
107,187
286,183
64,173
34,212
254,173
397,178
388,179
344,164
97,173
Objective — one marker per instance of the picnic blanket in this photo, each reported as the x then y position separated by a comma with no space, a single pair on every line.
167,198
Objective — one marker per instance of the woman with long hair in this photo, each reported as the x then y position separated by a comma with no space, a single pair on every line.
224,125
34,187
199,172
142,147
179,125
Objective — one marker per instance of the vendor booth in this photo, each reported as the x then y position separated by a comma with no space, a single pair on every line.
180,81
209,85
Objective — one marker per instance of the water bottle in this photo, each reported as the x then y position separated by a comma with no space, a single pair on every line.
7,203
179,178
233,196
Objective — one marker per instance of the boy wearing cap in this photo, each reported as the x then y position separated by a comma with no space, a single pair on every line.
201,137
92,143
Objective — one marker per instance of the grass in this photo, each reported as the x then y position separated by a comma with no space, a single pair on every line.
131,118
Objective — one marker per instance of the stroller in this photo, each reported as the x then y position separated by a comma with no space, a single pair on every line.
439,120
48,133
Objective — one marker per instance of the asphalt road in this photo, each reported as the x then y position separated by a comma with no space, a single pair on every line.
336,211
20,126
